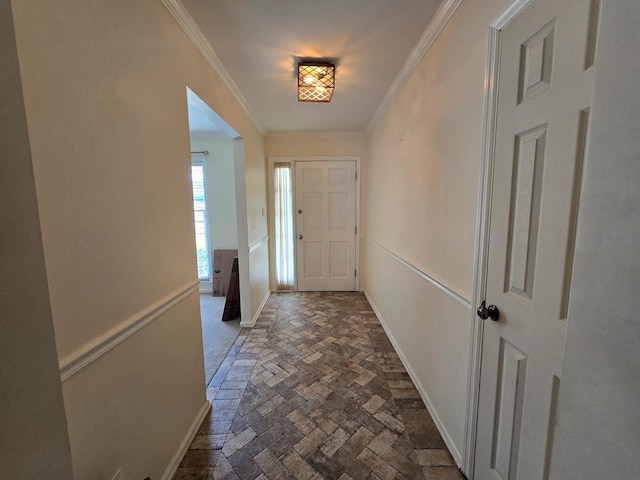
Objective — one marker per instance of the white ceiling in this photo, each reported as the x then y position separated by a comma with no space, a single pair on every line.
260,41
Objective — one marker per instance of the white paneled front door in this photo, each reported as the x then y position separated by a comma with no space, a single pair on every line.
544,99
325,211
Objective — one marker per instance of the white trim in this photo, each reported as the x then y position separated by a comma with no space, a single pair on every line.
258,312
255,246
455,453
318,134
170,471
509,13
447,289
483,220
100,345
190,27
437,23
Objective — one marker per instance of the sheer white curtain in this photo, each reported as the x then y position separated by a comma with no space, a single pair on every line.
284,226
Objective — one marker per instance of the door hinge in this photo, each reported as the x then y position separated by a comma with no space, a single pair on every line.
356,229
355,273
356,176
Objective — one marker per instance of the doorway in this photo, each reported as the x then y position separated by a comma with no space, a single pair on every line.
218,182
323,208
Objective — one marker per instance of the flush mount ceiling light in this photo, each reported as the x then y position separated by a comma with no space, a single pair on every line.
315,82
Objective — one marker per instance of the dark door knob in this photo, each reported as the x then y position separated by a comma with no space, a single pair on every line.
485,312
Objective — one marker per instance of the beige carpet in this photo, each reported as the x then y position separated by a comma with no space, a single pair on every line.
217,336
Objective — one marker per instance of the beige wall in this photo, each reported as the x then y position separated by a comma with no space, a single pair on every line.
420,188
315,145
599,407
105,95
34,441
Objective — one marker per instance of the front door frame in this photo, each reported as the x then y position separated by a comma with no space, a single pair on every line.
292,160
481,257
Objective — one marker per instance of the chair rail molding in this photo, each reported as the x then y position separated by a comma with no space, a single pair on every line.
257,244
441,285
94,349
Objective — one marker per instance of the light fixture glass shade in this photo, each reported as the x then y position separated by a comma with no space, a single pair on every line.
315,82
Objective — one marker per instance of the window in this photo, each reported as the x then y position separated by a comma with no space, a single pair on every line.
200,217
283,205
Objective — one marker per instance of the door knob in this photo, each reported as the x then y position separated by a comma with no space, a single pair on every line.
485,312
300,237
299,211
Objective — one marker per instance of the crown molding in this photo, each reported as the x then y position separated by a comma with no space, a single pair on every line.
188,24
437,23
318,134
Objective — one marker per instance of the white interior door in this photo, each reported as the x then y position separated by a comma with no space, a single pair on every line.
544,98
325,225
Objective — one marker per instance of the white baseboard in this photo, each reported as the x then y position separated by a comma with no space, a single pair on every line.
455,453
257,314
184,445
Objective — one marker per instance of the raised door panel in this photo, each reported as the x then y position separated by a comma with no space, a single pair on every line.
541,122
325,224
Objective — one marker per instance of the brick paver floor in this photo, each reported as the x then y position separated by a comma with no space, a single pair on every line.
316,391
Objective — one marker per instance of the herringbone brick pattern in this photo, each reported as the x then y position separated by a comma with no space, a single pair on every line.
316,391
